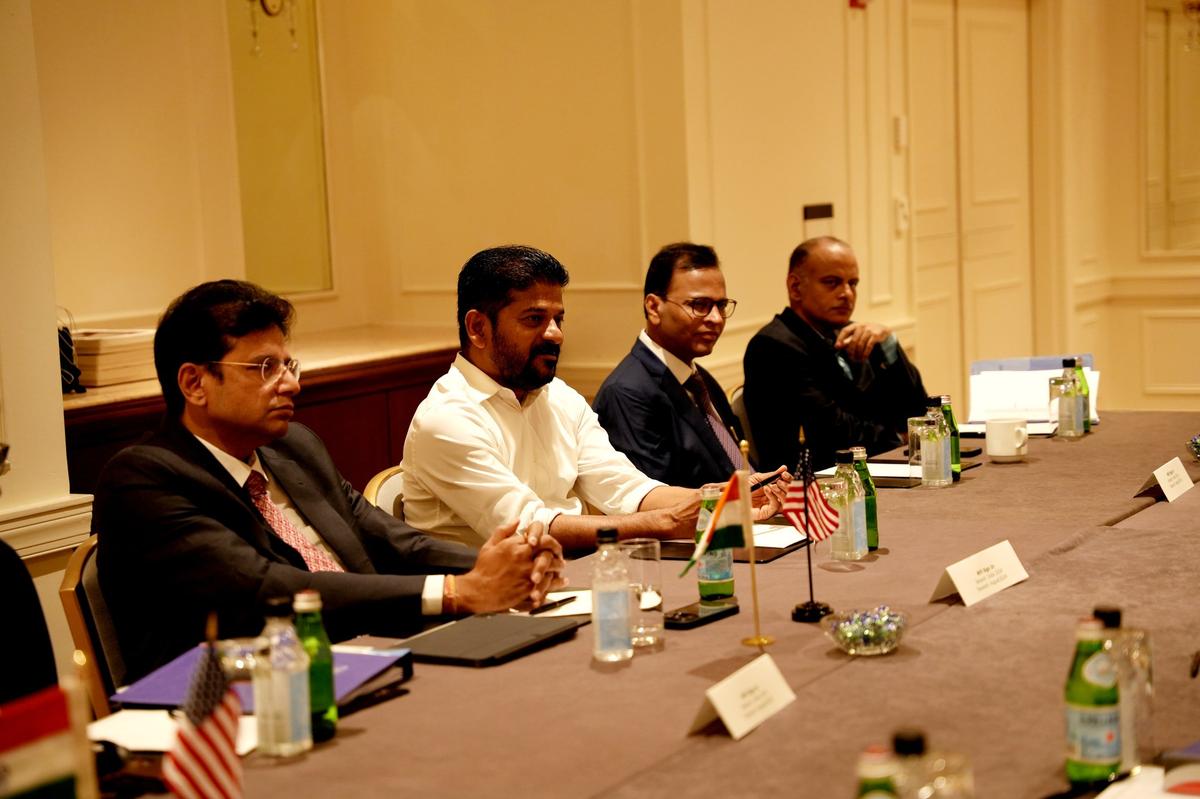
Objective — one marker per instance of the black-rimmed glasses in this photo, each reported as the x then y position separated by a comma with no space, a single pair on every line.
271,369
701,307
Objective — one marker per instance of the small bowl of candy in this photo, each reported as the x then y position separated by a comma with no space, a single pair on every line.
1193,446
867,632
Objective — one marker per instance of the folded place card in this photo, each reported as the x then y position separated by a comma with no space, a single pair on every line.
980,575
746,698
1173,478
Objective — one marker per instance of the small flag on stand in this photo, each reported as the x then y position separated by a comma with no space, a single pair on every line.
204,763
822,517
730,525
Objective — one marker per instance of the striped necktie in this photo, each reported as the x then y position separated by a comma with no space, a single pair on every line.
699,391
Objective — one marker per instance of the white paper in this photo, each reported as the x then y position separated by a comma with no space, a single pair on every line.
881,470
776,536
154,731
1032,428
1173,478
978,576
1020,395
746,698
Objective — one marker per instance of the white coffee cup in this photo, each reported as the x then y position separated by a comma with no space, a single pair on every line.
1007,440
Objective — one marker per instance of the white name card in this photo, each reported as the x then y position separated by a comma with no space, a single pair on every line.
978,576
746,698
1173,479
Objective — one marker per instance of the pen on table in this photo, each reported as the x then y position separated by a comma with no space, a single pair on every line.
558,603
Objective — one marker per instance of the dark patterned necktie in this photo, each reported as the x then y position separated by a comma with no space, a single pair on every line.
699,391
317,559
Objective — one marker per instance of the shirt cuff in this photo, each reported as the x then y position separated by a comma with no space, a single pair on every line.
431,595
891,349
544,515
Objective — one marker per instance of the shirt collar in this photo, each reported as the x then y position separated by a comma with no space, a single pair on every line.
481,386
680,370
239,471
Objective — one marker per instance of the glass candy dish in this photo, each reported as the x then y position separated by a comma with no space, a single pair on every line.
867,632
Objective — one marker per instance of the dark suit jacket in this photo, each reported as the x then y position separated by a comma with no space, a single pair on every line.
179,538
651,418
793,376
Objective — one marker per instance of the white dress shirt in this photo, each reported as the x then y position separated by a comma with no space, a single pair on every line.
679,370
431,592
475,458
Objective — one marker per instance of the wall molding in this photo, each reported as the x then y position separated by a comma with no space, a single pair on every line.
1169,285
48,527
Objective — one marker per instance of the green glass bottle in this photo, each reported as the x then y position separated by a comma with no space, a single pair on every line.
311,631
1093,710
877,770
1082,388
955,458
864,474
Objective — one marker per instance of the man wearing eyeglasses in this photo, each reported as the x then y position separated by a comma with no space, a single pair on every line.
230,504
659,406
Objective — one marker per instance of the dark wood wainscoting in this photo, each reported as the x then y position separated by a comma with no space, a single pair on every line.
361,411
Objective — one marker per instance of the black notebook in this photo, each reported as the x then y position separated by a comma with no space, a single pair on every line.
488,639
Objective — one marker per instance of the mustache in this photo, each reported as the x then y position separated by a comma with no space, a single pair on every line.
544,349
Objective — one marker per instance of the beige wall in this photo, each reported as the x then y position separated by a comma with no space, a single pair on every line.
1098,288
598,131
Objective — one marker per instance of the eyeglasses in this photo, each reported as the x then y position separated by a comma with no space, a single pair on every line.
700,307
271,369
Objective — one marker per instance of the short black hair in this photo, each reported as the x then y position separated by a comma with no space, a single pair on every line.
805,248
678,256
201,325
486,282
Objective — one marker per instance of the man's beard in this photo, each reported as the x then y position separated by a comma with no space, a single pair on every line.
521,373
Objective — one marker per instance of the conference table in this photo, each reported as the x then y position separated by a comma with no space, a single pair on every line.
985,680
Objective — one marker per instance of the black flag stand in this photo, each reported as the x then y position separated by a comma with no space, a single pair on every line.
812,611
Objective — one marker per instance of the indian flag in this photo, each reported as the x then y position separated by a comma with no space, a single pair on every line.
731,523
42,753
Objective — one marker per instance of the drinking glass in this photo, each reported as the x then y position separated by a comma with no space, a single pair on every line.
643,557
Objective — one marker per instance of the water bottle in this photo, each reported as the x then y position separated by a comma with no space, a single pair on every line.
1081,386
1093,709
714,572
281,685
935,451
1070,402
850,542
955,444
911,770
321,697
864,474
1130,650
933,409
611,601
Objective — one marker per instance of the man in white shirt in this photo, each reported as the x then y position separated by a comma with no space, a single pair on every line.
500,437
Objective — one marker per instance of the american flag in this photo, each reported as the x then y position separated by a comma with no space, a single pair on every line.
822,517
204,763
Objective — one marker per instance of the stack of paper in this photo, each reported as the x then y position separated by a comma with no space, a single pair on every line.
106,357
1019,395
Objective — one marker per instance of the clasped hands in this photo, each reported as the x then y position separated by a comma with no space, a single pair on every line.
512,569
857,339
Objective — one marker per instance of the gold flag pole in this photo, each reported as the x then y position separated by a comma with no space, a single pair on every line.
758,639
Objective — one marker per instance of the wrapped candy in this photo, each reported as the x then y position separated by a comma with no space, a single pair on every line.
867,632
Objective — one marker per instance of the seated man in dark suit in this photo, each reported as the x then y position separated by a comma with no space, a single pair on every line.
849,383
229,505
658,406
